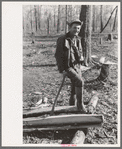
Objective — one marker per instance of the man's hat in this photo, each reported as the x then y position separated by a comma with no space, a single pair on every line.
75,21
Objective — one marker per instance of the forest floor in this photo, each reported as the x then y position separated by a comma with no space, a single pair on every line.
40,74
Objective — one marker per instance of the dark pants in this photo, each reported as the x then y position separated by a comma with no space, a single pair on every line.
76,86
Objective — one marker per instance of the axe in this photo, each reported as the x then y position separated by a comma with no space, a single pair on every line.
52,111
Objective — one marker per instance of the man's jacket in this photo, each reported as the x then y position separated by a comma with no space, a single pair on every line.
66,54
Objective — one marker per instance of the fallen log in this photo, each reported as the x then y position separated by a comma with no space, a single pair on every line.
68,127
74,119
62,122
47,110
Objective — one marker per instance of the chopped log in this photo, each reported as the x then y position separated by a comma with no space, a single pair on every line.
92,104
78,138
37,106
74,119
103,77
68,127
47,110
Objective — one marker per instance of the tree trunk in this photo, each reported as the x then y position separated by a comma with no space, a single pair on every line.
114,25
48,25
36,18
33,37
54,20
93,28
85,32
101,20
110,37
23,23
58,21
70,13
31,18
66,26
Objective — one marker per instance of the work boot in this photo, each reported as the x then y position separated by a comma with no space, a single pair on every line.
73,95
79,96
72,100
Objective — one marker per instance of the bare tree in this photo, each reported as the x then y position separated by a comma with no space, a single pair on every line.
114,25
23,22
48,23
66,21
101,19
31,18
69,13
58,21
35,13
54,17
85,33
39,16
93,25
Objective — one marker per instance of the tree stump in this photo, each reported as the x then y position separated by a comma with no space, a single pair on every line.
33,37
101,41
110,37
103,77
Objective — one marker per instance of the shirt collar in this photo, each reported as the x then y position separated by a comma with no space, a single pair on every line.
68,36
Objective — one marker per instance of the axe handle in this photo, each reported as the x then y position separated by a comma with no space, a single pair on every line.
52,111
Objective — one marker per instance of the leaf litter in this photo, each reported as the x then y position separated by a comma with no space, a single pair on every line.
46,80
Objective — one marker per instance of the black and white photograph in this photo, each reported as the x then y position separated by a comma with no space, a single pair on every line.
70,74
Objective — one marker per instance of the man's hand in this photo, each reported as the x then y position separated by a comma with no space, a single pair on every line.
64,73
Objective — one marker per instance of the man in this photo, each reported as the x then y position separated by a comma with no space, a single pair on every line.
69,58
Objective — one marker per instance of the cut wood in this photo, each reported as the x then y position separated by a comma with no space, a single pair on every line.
68,127
47,110
74,119
78,138
104,74
37,106
92,104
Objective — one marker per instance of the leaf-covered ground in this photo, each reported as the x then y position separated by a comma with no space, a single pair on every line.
40,74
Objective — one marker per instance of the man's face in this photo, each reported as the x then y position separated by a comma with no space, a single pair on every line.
75,29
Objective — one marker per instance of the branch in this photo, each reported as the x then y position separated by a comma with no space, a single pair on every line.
109,19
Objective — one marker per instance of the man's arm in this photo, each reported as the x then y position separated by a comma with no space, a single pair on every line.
59,55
